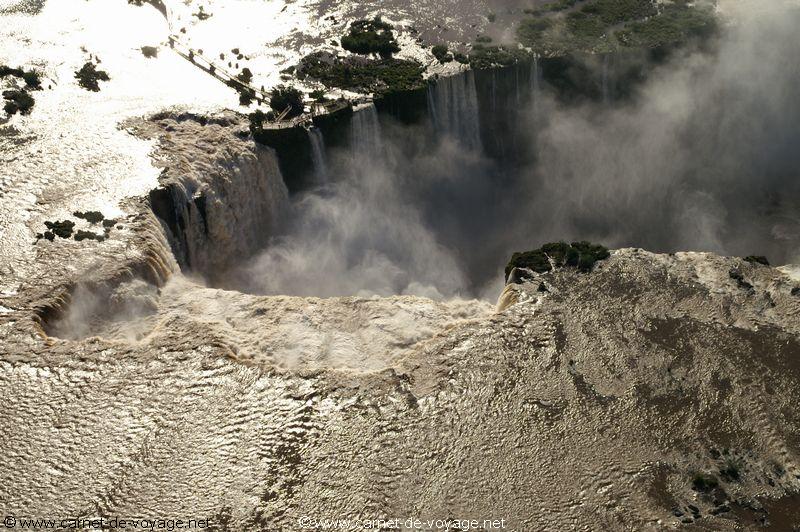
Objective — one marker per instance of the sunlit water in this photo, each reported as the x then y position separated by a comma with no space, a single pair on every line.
70,153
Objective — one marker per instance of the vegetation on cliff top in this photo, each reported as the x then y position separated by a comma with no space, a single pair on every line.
606,25
580,255
371,37
357,74
19,100
66,228
31,77
483,57
676,23
441,53
89,76
283,97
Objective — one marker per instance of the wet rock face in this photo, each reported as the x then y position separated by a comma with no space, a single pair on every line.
651,392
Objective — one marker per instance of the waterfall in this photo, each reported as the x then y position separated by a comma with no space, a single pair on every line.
366,140
318,157
213,220
535,82
494,90
609,78
453,104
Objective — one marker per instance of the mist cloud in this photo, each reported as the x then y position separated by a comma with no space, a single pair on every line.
702,157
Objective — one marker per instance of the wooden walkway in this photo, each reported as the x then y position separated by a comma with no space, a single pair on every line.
222,74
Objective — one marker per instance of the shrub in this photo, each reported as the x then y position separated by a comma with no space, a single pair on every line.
258,117
757,259
246,76
588,254
730,472
370,37
704,483
383,76
441,54
92,217
18,101
318,96
61,228
149,51
533,260
580,255
31,77
88,77
283,97
88,235
246,96
491,17
483,57
201,14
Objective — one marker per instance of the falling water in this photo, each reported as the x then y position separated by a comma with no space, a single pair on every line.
214,220
606,96
318,157
453,104
366,140
494,90
535,81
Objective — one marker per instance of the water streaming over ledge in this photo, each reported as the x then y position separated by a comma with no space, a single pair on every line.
318,156
365,133
453,107
535,78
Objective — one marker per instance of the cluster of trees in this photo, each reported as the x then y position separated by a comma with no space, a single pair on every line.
378,76
581,255
605,25
20,100
441,53
32,78
371,37
283,97
66,228
89,75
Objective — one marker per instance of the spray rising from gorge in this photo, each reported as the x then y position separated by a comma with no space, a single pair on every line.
686,161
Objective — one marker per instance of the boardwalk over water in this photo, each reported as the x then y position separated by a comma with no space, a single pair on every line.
197,58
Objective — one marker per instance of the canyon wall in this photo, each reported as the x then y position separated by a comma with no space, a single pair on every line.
221,196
